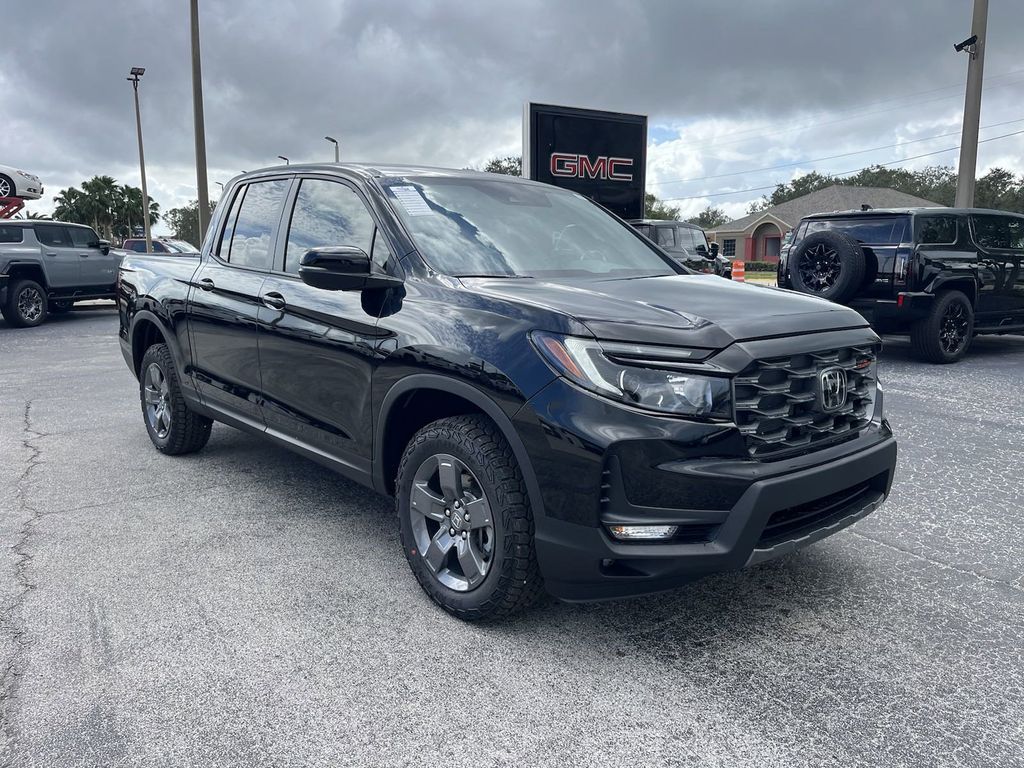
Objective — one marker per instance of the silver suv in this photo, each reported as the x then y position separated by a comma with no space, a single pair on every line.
46,266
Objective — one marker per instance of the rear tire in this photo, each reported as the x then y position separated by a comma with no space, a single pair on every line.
172,426
487,569
26,304
830,265
944,336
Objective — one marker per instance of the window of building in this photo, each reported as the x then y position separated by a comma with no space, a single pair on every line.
729,247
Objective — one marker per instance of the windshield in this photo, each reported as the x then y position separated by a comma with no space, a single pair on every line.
496,228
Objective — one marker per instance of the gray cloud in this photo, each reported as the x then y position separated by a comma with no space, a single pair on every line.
444,82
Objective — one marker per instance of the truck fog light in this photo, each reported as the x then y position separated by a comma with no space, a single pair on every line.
634,532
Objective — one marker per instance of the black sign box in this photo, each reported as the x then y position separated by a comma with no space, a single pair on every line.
602,155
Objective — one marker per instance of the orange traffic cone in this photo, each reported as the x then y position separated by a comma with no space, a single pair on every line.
739,272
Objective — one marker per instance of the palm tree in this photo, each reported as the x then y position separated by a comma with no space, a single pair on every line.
111,209
102,193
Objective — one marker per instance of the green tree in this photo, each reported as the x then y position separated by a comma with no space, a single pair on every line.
111,209
509,165
184,222
658,209
710,218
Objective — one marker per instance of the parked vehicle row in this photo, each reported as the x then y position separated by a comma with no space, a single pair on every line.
553,402
943,275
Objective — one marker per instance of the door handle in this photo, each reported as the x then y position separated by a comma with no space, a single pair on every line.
52,255
274,300
206,284
84,255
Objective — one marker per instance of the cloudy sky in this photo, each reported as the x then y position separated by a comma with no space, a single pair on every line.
740,94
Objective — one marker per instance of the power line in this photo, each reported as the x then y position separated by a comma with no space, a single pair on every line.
841,173
803,125
829,157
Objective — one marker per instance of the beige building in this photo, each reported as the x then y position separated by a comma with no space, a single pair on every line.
758,237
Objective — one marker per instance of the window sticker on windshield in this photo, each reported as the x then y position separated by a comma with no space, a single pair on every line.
411,199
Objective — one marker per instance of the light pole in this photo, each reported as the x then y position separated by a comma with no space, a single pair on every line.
337,150
975,47
286,160
133,78
200,125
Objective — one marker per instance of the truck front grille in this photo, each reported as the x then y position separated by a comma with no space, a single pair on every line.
778,403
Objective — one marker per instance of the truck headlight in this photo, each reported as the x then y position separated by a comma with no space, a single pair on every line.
639,382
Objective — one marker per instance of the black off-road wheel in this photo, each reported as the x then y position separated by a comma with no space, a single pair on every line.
26,304
172,426
945,335
830,265
465,519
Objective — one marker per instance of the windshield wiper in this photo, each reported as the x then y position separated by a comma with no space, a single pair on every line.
526,277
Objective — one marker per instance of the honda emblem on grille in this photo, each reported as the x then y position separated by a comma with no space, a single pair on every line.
832,385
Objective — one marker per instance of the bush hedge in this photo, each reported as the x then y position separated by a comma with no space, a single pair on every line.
760,266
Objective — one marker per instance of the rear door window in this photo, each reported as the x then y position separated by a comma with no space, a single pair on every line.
53,236
666,236
252,239
936,230
994,232
867,231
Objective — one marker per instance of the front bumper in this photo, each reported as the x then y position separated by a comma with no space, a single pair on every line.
599,464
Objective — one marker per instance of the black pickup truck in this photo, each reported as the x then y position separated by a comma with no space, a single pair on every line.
941,275
552,401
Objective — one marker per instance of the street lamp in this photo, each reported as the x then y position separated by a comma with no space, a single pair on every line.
337,151
199,121
286,160
133,78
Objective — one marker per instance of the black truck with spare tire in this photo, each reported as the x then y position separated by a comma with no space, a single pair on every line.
943,275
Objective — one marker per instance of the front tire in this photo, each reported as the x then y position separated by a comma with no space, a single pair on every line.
26,304
465,519
173,428
944,336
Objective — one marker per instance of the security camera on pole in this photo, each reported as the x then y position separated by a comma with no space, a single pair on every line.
974,46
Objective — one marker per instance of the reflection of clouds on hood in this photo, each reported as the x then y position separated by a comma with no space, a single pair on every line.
444,83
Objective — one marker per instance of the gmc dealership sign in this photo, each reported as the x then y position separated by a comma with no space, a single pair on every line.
599,154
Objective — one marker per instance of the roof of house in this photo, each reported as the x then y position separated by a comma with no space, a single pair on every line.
838,197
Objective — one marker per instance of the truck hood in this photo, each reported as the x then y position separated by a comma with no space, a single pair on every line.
692,310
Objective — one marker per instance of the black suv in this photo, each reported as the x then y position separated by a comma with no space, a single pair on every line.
552,401
686,243
943,275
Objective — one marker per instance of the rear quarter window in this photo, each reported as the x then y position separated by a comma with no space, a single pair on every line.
10,234
936,230
998,232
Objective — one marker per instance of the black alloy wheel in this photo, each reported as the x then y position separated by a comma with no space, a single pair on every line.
945,334
26,305
465,519
451,522
820,268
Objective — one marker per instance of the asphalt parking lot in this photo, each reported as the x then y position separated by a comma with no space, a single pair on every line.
245,607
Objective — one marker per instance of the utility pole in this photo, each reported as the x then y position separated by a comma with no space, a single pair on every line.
975,47
200,124
133,78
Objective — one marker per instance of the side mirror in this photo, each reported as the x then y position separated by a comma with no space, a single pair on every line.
702,251
714,250
342,268
103,245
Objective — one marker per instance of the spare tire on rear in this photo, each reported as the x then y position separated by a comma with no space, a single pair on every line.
827,264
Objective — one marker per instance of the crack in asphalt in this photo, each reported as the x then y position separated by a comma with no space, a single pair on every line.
11,669
934,561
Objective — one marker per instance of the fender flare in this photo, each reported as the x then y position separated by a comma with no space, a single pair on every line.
169,338
958,282
477,397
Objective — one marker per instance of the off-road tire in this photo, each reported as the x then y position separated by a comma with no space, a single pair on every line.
927,335
848,257
12,310
188,431
513,581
